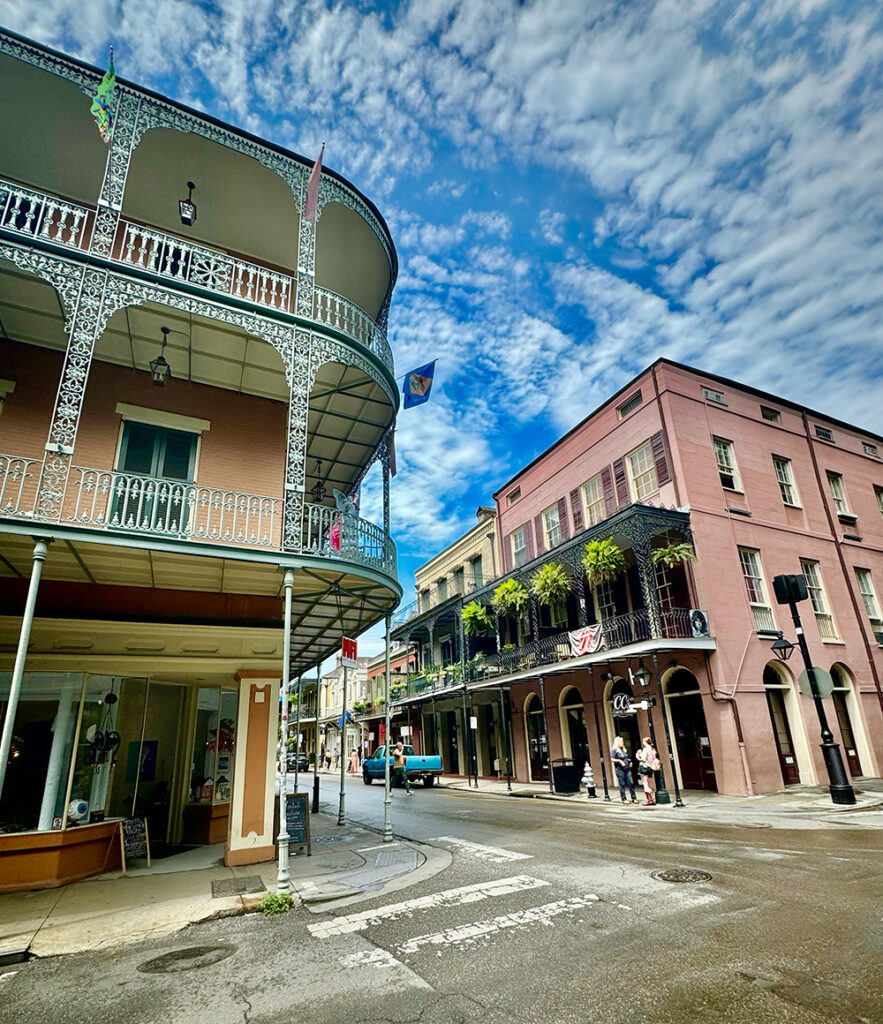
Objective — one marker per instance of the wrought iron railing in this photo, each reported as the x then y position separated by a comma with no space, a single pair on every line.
18,484
42,216
330,533
456,587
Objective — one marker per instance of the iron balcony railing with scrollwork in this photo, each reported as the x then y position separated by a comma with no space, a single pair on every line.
617,632
40,215
186,511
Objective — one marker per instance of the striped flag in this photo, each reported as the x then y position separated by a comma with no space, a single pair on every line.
312,203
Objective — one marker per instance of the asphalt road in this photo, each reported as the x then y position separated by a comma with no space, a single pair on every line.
547,914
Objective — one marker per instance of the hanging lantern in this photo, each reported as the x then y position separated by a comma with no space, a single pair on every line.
160,370
186,207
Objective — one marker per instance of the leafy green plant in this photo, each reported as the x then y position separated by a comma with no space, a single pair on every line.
275,903
510,598
477,619
673,555
550,583
603,561
455,672
507,647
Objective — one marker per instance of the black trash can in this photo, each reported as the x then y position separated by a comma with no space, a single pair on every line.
566,777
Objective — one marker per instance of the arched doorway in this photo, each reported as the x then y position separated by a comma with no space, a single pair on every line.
574,736
778,691
843,696
537,742
690,730
627,726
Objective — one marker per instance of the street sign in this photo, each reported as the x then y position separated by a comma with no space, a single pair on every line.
824,682
348,656
405,730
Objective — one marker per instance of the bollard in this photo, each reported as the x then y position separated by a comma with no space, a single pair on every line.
588,780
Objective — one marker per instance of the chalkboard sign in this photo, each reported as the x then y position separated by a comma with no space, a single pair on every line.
134,839
297,818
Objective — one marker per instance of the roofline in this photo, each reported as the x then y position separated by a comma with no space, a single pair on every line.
241,132
483,522
665,361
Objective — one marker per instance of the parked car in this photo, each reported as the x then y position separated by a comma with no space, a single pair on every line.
298,763
417,766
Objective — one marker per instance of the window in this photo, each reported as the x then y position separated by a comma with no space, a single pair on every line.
605,601
785,476
513,496
823,434
663,587
519,547
878,492
593,500
459,577
872,607
170,456
424,601
630,405
6,388
714,396
477,577
441,589
824,619
551,528
838,494
642,472
772,415
752,573
726,464
870,449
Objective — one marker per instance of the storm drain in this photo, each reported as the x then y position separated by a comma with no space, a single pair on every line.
681,875
187,959
236,886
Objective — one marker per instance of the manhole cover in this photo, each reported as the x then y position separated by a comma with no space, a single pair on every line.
236,886
187,959
681,875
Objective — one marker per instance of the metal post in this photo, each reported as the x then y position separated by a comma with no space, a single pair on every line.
662,795
841,790
18,671
297,734
282,876
505,728
387,821
671,757
601,753
546,730
474,734
316,757
341,813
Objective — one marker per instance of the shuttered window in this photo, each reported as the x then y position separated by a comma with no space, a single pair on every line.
593,500
551,527
519,546
642,472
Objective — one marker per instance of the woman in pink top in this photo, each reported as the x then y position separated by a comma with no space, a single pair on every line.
648,761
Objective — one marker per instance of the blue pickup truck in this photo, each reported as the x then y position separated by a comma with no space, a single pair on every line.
425,767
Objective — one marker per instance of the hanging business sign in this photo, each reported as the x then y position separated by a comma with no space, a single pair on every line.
623,706
348,656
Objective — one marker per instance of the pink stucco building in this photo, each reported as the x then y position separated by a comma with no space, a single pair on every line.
759,487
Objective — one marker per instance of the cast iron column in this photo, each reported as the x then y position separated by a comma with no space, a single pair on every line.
387,822
282,877
671,757
601,751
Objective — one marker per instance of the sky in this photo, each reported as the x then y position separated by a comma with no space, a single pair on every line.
575,189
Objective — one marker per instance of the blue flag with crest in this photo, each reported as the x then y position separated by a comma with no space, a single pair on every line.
418,384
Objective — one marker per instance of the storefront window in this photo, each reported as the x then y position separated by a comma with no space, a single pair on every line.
211,778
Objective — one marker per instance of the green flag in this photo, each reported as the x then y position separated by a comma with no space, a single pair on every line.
103,102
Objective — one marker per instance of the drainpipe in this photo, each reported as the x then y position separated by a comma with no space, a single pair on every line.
721,698
18,671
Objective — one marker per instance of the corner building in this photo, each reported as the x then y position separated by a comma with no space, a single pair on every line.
151,525
758,486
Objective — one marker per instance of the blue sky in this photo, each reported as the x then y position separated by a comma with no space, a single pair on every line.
574,188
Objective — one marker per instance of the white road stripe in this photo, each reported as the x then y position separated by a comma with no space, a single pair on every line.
449,898
467,934
495,854
383,846
370,958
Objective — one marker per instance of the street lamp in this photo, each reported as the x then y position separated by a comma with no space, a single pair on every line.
790,589
159,368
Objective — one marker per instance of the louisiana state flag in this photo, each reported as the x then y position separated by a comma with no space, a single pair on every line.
418,384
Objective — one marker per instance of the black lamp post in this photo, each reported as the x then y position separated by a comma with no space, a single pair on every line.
789,590
643,677
160,370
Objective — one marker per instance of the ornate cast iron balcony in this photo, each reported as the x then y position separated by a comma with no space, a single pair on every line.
41,216
18,484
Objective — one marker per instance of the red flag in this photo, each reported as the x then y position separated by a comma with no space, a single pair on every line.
312,202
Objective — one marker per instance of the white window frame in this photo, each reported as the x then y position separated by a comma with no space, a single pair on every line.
787,484
711,395
519,549
756,590
605,600
878,492
770,415
638,478
551,527
872,605
837,491
870,449
629,405
815,586
725,458
594,502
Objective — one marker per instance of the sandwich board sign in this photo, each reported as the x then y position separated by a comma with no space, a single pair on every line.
348,653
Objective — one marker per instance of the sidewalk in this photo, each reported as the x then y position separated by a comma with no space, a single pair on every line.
348,864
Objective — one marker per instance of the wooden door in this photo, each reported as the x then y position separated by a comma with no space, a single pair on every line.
849,747
692,742
579,739
537,745
782,732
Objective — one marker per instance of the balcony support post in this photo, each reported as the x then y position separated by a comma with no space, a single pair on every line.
113,187
647,576
582,617
300,379
306,253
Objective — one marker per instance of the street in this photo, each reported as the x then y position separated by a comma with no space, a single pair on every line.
547,914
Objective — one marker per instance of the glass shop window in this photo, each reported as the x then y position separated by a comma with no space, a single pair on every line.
211,777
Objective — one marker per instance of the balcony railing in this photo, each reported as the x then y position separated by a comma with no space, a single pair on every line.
18,484
42,216
328,533
456,587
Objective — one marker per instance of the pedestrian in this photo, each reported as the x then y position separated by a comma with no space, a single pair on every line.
622,765
649,764
398,767
354,761
327,760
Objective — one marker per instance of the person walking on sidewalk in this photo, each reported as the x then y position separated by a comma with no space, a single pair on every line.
648,765
398,767
622,765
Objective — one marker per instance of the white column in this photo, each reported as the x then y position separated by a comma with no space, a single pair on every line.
61,728
282,875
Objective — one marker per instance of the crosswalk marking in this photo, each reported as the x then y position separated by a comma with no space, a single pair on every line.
449,898
370,958
466,934
494,854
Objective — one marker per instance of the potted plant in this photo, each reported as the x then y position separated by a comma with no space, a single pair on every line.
510,598
477,620
551,583
603,561
673,555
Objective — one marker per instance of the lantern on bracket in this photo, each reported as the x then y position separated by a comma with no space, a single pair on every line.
160,371
186,207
